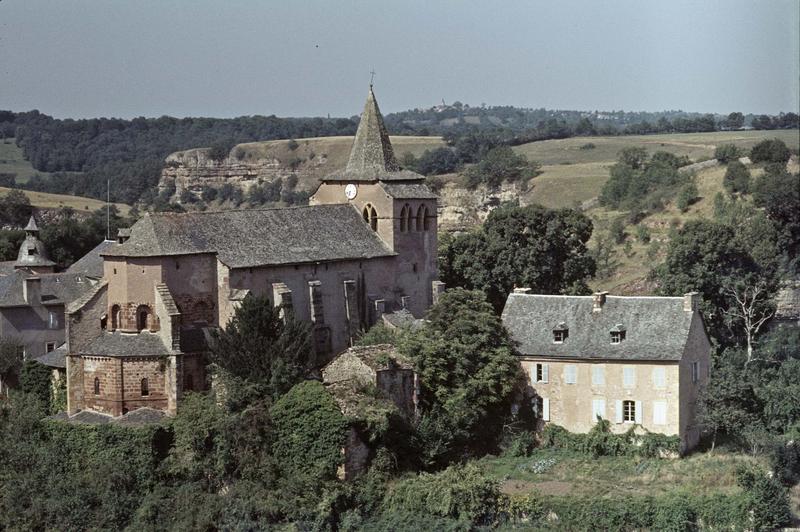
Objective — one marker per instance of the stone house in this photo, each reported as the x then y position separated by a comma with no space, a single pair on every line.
365,246
365,382
33,297
635,361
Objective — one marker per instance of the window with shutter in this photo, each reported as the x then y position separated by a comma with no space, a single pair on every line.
598,409
570,374
638,412
629,377
629,411
659,412
659,377
598,375
546,409
618,411
542,373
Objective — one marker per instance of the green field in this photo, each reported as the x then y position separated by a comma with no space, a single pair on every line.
12,161
43,200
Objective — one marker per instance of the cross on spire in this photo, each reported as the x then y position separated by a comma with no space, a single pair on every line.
371,77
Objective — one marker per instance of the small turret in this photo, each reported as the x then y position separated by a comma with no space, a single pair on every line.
32,253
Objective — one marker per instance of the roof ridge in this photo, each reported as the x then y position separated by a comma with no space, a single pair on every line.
258,209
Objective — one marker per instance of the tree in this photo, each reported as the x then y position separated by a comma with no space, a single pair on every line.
528,246
779,195
15,208
262,349
10,361
468,373
500,165
735,120
752,306
633,157
737,178
726,153
687,196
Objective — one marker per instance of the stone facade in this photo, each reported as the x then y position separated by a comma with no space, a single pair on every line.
366,245
575,376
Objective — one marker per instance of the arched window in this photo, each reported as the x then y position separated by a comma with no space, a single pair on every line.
142,317
426,223
421,217
145,387
370,216
405,218
115,317
97,386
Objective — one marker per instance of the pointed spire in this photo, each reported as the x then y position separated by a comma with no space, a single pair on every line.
32,227
372,149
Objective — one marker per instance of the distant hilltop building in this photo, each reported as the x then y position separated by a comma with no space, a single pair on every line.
364,247
634,361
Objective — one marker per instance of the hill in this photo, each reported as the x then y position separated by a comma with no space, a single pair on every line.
12,161
43,200
254,162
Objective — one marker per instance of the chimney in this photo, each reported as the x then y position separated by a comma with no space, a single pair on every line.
598,300
691,302
32,290
522,290
438,290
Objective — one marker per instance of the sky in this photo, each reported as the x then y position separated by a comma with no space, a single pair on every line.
93,58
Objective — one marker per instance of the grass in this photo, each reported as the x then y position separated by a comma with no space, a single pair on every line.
12,161
582,475
44,200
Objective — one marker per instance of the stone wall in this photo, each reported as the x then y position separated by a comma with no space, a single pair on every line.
698,349
399,386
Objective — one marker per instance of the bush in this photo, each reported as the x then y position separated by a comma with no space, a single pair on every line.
770,151
767,498
642,234
687,196
378,334
785,462
617,231
292,145
737,178
726,153
458,492
310,431
522,444
600,441
35,378
588,146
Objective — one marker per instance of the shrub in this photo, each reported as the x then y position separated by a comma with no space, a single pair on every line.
617,231
35,378
600,441
588,146
770,151
309,431
378,334
785,462
219,151
292,145
737,178
687,196
643,234
726,153
767,498
522,444
459,492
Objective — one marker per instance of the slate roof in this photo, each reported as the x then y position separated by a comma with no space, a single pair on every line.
657,328
55,358
140,416
408,190
117,344
57,288
372,156
33,253
91,264
257,237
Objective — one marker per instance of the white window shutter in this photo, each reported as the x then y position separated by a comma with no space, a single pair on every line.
618,405
533,376
659,412
639,412
545,372
546,409
598,409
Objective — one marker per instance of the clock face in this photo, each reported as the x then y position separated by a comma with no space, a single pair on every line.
350,191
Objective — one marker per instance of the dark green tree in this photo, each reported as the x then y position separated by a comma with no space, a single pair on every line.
531,246
262,349
500,165
726,153
468,374
770,151
779,195
737,178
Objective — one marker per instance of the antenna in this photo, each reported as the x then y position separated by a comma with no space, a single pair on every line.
108,209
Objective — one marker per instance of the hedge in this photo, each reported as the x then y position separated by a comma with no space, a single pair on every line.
600,441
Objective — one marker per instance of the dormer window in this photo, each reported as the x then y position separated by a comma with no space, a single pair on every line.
617,334
560,333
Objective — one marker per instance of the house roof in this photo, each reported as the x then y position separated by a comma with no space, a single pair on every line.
91,264
55,358
656,328
257,237
117,344
408,190
56,288
372,156
32,252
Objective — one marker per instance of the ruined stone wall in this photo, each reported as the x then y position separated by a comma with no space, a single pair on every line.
356,456
398,385
375,279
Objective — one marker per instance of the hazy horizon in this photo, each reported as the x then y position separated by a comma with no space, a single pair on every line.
87,59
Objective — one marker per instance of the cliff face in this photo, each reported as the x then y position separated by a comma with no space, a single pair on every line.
310,160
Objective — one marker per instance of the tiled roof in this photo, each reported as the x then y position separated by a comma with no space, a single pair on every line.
408,190
56,288
656,328
372,156
55,358
140,416
91,264
117,344
257,237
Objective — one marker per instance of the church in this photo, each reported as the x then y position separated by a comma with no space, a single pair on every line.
365,247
